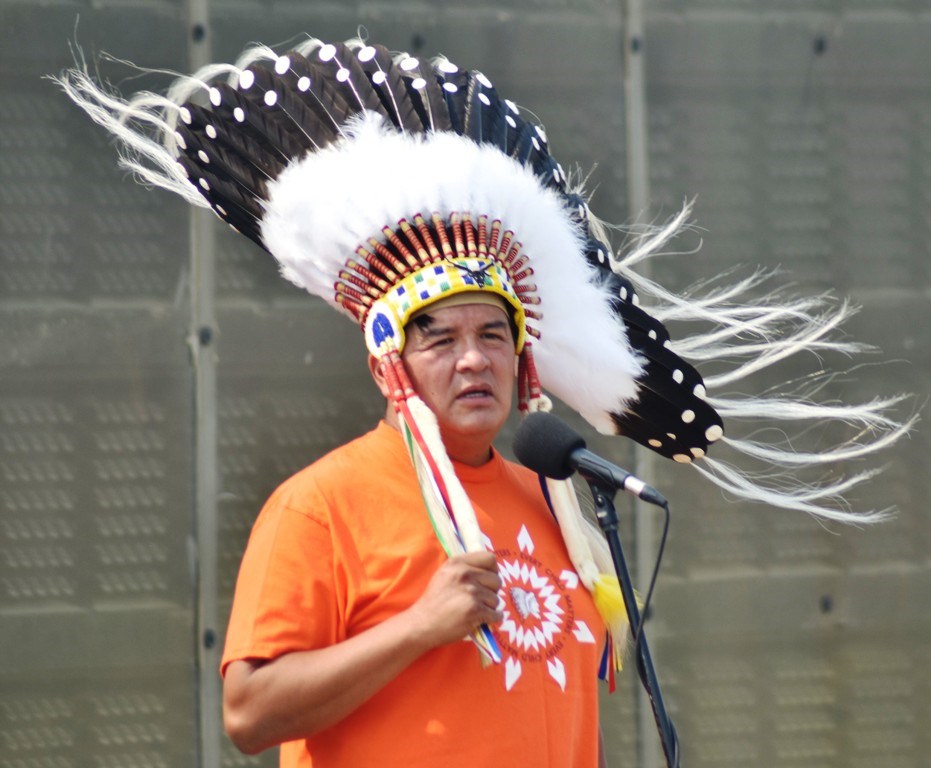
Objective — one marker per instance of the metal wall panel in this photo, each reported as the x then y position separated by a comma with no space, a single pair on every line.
786,643
95,422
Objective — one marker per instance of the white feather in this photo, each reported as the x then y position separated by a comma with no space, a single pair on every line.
749,333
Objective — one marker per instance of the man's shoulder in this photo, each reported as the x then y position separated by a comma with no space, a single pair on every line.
336,478
362,454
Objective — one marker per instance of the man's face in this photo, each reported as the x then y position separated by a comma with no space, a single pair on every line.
461,362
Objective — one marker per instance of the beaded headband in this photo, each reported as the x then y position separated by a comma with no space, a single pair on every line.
384,320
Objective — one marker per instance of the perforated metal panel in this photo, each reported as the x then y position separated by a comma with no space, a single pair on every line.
95,427
786,644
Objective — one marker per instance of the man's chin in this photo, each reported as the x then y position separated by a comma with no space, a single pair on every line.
476,427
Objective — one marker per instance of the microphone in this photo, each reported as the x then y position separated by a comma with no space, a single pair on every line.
550,447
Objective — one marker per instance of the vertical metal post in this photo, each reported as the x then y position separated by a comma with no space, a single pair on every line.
635,110
202,340
638,195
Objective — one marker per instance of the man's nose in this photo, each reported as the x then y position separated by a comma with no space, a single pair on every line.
473,357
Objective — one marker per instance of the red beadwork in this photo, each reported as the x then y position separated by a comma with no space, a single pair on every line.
421,223
352,293
395,392
469,230
513,253
495,234
379,282
357,311
505,244
399,384
402,375
522,389
521,275
377,264
361,285
533,381
357,281
395,241
518,263
527,293
411,234
385,253
483,235
440,227
455,226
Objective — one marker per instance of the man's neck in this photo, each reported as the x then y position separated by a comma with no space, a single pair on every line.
475,454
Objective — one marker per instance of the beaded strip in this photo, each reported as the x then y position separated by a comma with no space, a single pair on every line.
409,247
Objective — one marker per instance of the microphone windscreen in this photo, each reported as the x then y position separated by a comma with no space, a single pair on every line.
544,443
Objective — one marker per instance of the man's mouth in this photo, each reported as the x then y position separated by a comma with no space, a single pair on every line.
474,393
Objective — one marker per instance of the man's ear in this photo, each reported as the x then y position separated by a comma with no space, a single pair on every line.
378,376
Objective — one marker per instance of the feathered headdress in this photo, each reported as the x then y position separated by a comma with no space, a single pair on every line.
384,183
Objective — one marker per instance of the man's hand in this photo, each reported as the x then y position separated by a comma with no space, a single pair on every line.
461,596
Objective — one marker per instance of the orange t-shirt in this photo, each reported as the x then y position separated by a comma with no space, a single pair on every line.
346,543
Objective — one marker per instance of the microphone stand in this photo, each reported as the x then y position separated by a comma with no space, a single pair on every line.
603,495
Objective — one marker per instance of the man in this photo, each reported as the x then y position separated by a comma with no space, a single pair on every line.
399,686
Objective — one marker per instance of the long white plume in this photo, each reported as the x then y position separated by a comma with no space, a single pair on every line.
744,334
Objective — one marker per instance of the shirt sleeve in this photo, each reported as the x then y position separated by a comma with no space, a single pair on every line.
286,596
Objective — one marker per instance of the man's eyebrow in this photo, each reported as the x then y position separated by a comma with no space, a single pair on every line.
441,330
494,324
432,329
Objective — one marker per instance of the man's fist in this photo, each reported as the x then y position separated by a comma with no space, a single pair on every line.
462,595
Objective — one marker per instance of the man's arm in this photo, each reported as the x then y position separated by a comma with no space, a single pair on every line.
296,695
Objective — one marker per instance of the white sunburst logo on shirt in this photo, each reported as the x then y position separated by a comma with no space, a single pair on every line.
538,613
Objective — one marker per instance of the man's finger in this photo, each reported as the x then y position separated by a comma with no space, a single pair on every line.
484,560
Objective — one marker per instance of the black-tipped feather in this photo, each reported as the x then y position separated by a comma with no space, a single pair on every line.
201,136
472,125
275,123
345,75
657,424
390,88
248,142
328,104
425,95
491,111
432,99
455,87
227,198
670,415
